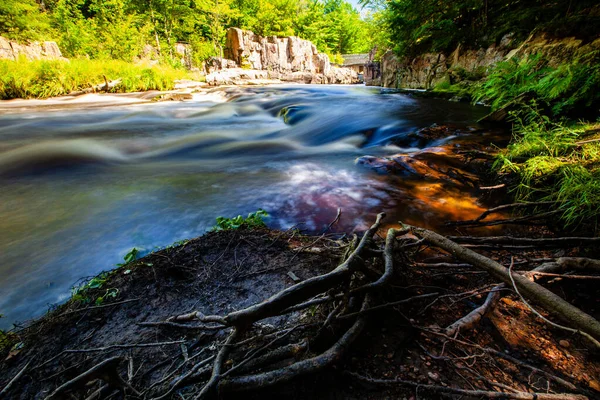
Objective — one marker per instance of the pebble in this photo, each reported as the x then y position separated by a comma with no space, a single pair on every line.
564,343
433,376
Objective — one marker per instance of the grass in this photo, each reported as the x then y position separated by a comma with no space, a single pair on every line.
554,157
557,162
48,78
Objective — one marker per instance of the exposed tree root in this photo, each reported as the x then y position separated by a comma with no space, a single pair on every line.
311,325
106,370
551,302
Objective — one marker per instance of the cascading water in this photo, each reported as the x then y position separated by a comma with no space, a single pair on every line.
85,180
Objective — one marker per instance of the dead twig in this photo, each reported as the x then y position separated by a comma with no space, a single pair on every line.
14,379
501,354
470,393
108,348
106,370
520,241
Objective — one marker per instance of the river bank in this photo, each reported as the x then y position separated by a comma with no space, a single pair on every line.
134,332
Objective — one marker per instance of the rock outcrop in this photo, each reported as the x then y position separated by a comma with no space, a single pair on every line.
288,59
428,70
32,51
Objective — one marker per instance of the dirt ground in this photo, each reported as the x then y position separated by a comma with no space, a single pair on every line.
226,271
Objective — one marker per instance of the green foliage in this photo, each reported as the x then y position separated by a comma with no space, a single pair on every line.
119,29
45,78
254,220
534,86
80,293
419,26
109,294
131,256
22,19
555,163
7,341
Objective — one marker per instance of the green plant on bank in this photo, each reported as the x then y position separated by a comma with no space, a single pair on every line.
131,256
557,162
47,78
254,220
569,89
554,158
7,340
80,293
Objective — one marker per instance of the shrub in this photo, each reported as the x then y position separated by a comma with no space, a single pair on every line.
47,78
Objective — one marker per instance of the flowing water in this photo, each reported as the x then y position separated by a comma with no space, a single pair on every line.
85,180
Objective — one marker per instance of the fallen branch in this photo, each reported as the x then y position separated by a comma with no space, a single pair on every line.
551,302
565,276
105,86
565,328
471,319
471,393
565,264
501,208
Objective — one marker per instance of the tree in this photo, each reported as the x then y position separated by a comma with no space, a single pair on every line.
22,19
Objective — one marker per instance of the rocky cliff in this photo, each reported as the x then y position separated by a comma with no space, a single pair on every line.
32,51
428,70
282,58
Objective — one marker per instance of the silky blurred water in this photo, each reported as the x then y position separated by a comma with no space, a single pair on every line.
85,180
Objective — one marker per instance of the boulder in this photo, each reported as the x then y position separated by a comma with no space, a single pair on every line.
290,59
32,51
214,64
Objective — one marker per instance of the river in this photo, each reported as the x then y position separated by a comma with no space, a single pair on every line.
84,180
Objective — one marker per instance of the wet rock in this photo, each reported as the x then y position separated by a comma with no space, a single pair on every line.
430,69
235,76
426,136
215,64
399,164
